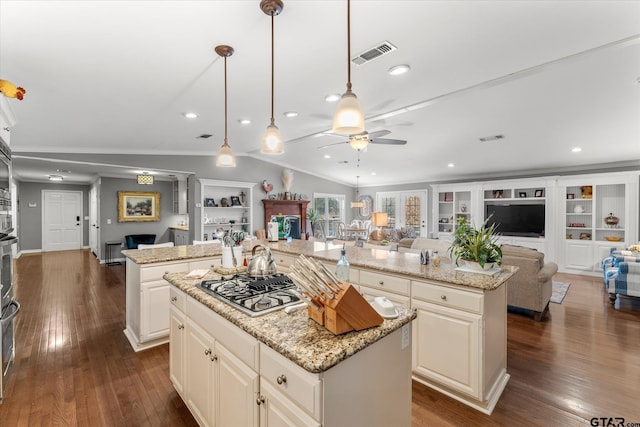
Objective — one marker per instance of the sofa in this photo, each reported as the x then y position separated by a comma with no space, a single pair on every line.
419,243
531,287
621,274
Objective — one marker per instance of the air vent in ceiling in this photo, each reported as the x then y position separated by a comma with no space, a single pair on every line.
204,136
491,138
373,53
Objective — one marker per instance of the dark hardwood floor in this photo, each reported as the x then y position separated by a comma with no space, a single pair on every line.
74,365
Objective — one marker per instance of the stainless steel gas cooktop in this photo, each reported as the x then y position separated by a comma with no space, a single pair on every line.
253,296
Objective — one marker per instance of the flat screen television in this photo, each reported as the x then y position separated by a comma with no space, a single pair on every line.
517,219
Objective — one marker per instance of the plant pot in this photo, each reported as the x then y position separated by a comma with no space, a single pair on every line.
473,265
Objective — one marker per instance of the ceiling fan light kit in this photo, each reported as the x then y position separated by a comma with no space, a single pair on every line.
272,142
225,157
348,118
359,142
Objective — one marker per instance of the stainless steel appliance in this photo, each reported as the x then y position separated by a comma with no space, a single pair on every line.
253,296
8,306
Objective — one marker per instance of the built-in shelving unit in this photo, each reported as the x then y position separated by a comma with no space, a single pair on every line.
452,205
225,205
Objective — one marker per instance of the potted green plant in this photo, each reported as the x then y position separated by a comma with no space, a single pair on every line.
476,245
313,216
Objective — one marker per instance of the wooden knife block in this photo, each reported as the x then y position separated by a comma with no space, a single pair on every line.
349,311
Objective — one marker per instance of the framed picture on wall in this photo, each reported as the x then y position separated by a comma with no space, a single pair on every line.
138,206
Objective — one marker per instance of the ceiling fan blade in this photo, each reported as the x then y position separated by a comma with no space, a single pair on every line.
379,133
335,143
388,141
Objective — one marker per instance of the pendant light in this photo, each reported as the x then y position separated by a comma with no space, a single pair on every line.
225,157
357,203
272,140
348,118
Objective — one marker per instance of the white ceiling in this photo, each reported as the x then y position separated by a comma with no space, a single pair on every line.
115,76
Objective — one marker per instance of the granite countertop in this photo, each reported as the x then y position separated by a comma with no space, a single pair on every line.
383,260
393,262
176,253
295,336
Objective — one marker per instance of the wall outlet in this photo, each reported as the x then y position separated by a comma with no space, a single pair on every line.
109,221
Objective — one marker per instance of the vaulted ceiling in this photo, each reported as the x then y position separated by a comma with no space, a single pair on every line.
116,77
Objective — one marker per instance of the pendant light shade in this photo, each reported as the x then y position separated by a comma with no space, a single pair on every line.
272,140
225,157
348,118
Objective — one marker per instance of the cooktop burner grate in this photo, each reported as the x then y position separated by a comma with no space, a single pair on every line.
253,296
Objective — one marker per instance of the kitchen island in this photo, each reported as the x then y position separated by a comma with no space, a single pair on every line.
285,369
460,333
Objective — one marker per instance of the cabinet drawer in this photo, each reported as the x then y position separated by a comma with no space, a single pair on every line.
448,297
370,293
283,260
238,342
206,263
385,282
178,299
157,271
301,386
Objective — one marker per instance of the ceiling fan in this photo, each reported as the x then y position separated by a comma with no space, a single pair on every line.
361,140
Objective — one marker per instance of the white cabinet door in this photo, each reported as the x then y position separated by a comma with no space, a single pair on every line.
578,255
200,376
448,348
239,386
276,410
177,350
155,310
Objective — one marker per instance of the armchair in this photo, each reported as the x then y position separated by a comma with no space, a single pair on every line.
623,279
530,288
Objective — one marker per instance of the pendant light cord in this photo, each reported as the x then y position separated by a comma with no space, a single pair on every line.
225,100
348,45
272,67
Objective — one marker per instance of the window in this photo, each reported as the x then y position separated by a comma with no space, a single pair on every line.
331,211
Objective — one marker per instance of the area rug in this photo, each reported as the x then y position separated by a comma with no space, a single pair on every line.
558,291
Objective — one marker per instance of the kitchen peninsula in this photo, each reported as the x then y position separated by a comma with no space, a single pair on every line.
459,336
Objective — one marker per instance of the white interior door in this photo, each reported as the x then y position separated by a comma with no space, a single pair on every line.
93,220
61,220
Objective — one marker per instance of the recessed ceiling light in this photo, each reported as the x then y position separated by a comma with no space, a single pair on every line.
244,121
326,156
399,69
373,173
190,115
576,149
55,178
450,165
333,97
62,171
291,114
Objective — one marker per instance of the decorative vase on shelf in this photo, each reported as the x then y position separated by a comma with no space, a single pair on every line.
611,220
578,209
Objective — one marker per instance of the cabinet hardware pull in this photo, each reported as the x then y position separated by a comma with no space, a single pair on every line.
381,283
260,400
207,352
443,297
181,326
214,358
174,299
7,129
282,379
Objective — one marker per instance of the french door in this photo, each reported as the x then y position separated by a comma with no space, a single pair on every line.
404,209
330,209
